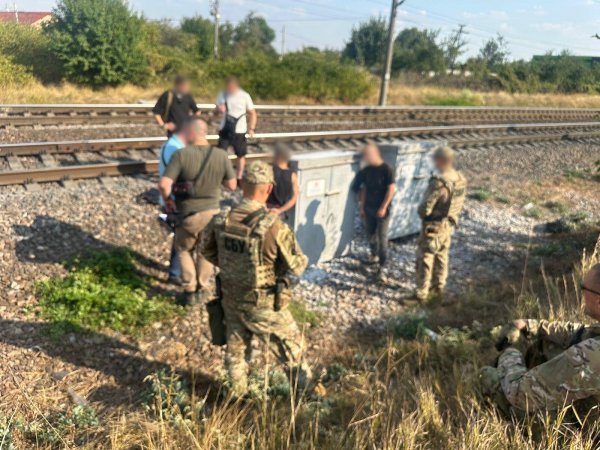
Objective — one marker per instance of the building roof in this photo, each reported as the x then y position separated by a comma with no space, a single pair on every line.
27,18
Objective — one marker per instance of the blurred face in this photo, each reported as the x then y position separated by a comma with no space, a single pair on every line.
232,86
442,164
183,88
371,155
590,289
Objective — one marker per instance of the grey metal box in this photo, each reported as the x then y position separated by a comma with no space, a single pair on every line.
323,218
413,164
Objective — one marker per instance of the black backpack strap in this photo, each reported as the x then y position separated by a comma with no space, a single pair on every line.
204,163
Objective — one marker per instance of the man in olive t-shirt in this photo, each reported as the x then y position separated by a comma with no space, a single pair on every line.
205,168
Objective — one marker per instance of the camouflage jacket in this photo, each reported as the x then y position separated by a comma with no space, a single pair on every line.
572,373
434,205
280,250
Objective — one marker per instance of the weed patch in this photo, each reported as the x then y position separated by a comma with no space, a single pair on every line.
302,315
557,207
481,194
533,211
101,291
59,429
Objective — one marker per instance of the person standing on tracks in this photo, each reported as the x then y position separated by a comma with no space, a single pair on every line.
440,210
285,190
376,186
194,176
176,142
175,106
239,118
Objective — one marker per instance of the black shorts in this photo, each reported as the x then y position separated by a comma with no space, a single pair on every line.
237,141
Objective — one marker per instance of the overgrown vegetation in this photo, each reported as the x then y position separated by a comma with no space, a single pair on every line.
100,43
103,290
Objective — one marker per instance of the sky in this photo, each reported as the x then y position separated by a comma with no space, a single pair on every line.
530,27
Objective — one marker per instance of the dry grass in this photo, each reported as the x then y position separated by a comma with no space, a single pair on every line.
392,394
400,94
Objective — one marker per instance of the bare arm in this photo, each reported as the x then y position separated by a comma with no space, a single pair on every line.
165,186
389,195
230,184
253,118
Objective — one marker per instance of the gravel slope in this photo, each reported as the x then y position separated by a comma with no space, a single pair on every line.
42,229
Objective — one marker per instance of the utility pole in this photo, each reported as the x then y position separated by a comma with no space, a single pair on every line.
214,11
282,42
387,67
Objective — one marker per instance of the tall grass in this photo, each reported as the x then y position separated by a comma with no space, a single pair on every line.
392,393
13,92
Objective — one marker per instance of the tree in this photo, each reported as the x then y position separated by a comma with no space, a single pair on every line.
418,51
494,52
204,32
454,47
253,33
367,43
99,41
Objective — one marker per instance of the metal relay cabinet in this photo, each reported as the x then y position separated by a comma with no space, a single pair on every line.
413,164
323,218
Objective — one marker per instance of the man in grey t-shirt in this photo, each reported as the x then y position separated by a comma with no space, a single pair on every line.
239,118
204,170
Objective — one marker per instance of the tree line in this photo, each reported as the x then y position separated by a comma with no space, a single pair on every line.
424,52
101,43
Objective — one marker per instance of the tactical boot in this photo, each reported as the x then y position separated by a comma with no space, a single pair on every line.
369,260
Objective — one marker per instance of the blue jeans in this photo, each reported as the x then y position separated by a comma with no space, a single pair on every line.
174,264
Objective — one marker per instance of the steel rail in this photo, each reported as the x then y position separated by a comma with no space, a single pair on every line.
96,145
458,136
87,171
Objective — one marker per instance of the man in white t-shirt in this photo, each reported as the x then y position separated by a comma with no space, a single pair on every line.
239,118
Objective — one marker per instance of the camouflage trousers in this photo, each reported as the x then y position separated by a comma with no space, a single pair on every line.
278,330
432,261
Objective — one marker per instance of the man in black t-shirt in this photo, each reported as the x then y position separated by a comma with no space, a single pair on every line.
376,186
175,106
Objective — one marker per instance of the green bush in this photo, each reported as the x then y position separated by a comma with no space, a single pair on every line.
100,42
101,291
30,47
13,74
310,73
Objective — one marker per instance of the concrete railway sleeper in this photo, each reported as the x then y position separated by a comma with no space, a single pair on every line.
139,155
272,115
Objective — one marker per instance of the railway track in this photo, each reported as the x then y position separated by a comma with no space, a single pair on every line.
274,117
33,163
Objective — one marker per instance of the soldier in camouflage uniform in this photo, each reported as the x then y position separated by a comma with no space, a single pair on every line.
440,210
256,253
567,361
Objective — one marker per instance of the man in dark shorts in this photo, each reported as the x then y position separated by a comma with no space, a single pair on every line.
375,185
285,190
239,118
175,106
